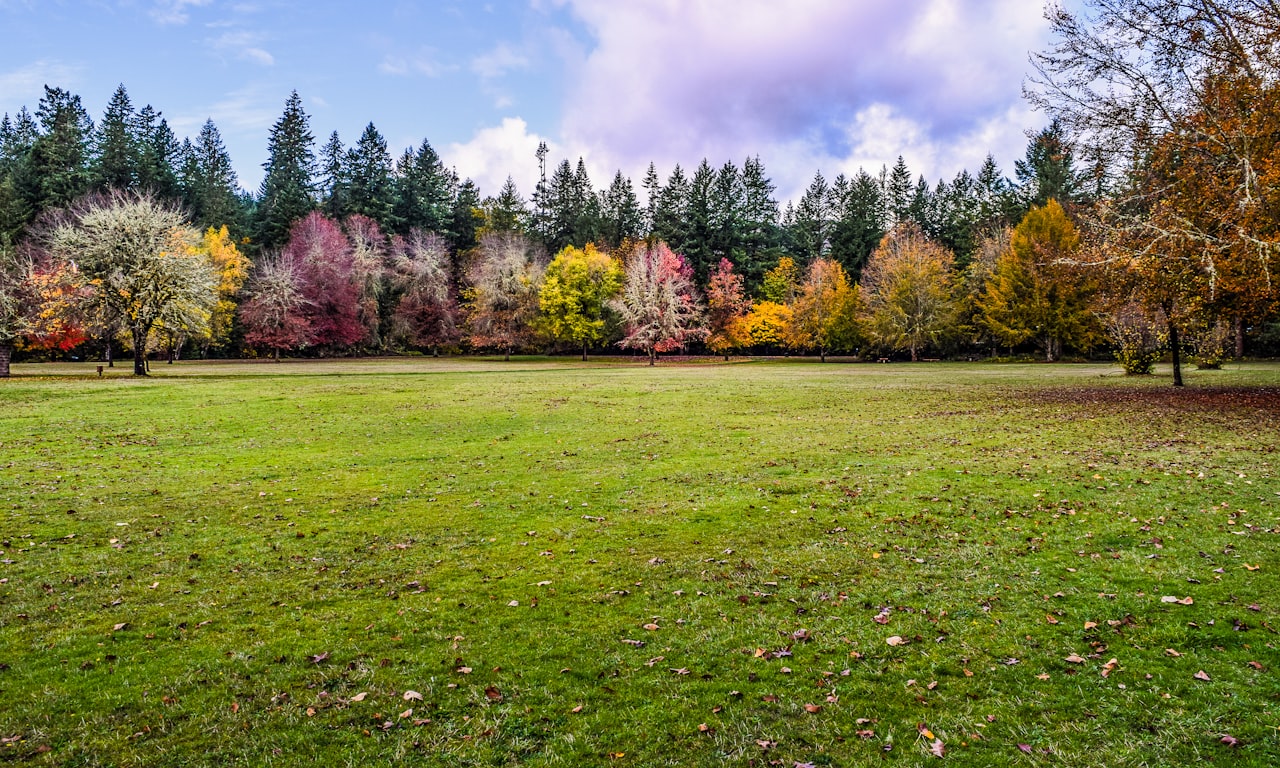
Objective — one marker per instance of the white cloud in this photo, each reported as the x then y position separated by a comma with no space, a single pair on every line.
244,45
496,152
499,61
175,11
806,85
25,85
424,62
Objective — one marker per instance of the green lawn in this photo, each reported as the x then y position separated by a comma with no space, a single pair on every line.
470,562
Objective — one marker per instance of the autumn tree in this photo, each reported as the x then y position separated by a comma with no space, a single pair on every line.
504,293
426,315
766,325
727,305
907,290
274,310
324,262
138,255
659,306
16,302
576,290
1037,290
369,270
781,282
232,269
825,313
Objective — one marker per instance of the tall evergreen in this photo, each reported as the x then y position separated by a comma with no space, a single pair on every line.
209,182
116,146
921,209
727,223
57,167
652,187
1048,170
759,222
507,212
333,178
466,218
859,213
287,191
899,192
620,215
368,176
423,199
670,213
696,245
17,136
586,226
812,220
157,155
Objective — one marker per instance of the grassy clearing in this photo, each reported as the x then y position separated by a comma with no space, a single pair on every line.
454,562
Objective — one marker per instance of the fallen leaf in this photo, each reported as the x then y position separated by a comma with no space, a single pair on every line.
513,604
319,657
924,731
652,627
235,707
493,694
865,734
412,696
576,709
703,727
1230,741
1042,676
1171,652
1256,665
360,696
1248,567
1074,659
463,670
405,715
1202,675
636,643
1051,619
813,709
120,626
1090,624
1026,748
937,748
1109,667
895,641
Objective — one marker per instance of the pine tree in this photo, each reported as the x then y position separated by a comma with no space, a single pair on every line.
670,213
620,216
423,199
157,155
696,247
760,233
586,223
921,209
727,230
1048,170
465,219
116,147
898,193
209,181
652,188
812,221
859,212
333,182
368,177
287,189
57,168
507,212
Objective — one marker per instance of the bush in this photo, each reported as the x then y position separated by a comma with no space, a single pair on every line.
1140,338
1209,344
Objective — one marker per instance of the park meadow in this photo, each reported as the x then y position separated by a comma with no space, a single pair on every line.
465,561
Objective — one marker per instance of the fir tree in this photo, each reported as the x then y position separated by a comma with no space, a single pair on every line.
57,168
157,155
620,215
759,221
507,212
812,220
287,188
210,185
423,199
859,213
116,147
898,193
1048,170
333,182
368,178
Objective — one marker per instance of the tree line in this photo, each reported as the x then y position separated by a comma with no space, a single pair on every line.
1164,246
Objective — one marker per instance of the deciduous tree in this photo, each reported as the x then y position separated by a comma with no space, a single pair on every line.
576,290
727,305
907,289
659,306
503,295
825,313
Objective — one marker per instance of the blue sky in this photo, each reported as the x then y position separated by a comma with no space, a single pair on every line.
807,85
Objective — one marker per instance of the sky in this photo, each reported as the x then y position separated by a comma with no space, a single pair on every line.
805,85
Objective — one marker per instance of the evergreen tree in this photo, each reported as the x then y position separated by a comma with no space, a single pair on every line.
898,193
727,224
812,220
116,147
696,247
586,228
210,185
620,215
652,187
507,212
920,209
997,199
57,167
333,181
423,199
368,177
465,219
287,188
859,212
958,216
158,153
760,232
670,213
1048,170
17,136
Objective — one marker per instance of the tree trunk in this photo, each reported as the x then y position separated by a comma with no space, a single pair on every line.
435,351
822,355
726,357
275,354
1239,334
652,356
914,356
139,353
584,351
106,355
1175,345
6,354
507,357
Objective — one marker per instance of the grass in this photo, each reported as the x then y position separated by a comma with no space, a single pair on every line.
453,563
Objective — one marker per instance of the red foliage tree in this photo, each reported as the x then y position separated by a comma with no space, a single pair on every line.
325,262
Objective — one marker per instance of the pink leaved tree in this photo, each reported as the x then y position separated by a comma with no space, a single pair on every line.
659,306
273,312
325,261
427,313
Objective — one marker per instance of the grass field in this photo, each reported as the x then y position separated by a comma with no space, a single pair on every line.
470,562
